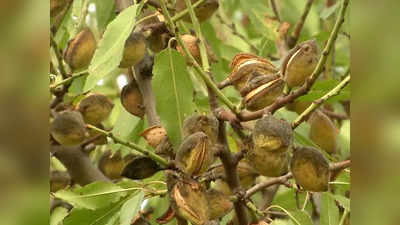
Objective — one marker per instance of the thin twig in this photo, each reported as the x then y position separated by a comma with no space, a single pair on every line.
68,80
335,91
299,25
286,177
59,56
275,10
335,115
150,154
284,100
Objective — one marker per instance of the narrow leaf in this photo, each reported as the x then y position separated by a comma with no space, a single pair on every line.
131,208
173,91
92,196
329,210
109,51
58,215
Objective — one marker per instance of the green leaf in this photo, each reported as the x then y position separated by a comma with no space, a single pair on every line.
77,85
104,10
93,196
297,216
131,208
109,51
329,210
104,216
125,124
173,91
343,201
320,88
58,215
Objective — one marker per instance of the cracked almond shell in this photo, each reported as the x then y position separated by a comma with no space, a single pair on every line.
263,93
245,66
192,43
201,123
154,135
190,202
300,62
219,204
68,128
80,50
195,154
95,108
310,169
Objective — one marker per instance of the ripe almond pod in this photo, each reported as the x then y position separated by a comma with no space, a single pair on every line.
261,91
56,6
68,128
300,63
204,123
189,201
59,180
272,135
203,12
154,135
192,43
111,165
195,154
134,50
247,174
95,108
310,169
298,106
323,132
269,163
245,66
132,99
140,168
219,204
80,50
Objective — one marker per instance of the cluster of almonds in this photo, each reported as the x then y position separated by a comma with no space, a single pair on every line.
260,83
68,127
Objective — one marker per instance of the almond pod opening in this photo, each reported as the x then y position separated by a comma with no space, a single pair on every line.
154,135
195,154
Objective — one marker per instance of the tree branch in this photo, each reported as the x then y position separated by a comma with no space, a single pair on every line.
78,164
306,113
299,25
148,153
286,177
231,175
275,10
